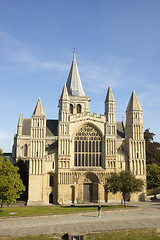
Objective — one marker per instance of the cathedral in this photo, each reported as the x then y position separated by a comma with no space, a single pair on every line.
69,159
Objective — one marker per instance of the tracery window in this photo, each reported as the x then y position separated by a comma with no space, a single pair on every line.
87,148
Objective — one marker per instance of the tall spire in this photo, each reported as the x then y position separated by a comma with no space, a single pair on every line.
134,104
74,84
109,96
38,111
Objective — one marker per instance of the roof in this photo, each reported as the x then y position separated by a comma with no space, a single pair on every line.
120,129
109,97
64,95
74,84
38,111
51,127
26,128
134,104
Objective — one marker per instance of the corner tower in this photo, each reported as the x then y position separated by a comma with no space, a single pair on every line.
110,132
135,137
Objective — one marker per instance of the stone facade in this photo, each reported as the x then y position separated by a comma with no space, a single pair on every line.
71,158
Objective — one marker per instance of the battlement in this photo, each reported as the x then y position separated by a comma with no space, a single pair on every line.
88,115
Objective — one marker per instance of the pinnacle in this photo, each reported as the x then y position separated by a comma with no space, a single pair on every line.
109,97
64,94
134,104
38,111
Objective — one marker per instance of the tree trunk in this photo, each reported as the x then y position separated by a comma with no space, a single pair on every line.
1,204
124,200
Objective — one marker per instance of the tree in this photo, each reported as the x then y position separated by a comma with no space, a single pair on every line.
11,185
153,177
23,172
124,182
152,148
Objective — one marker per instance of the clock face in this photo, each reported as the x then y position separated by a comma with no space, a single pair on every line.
74,93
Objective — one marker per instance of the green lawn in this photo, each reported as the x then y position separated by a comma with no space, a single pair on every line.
30,211
148,234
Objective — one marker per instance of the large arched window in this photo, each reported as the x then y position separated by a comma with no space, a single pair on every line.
71,108
79,108
87,149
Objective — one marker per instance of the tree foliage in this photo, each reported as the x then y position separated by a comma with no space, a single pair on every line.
153,176
152,148
11,185
124,182
23,172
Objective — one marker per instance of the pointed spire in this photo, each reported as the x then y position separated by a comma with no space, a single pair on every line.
134,104
110,97
74,84
20,121
64,95
38,111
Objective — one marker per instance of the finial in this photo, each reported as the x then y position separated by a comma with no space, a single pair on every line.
74,52
122,119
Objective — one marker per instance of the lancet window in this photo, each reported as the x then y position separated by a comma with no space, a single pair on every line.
71,108
87,149
79,108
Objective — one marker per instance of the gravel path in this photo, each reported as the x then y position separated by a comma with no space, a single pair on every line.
147,216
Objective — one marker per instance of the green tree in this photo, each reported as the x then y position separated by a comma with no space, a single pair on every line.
124,182
23,172
11,185
152,148
153,177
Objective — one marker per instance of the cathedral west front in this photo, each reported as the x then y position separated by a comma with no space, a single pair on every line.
69,159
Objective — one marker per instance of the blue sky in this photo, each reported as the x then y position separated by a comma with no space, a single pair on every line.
117,42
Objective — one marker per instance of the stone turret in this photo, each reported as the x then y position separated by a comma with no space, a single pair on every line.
134,118
38,131
110,107
19,127
110,148
135,137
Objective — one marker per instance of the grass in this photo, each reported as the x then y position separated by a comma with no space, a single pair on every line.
31,211
151,191
145,234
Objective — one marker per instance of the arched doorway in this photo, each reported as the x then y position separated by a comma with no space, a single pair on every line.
51,198
72,194
90,188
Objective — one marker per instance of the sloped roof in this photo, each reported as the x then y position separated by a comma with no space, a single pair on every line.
74,84
51,127
39,111
120,129
134,104
109,96
26,129
64,94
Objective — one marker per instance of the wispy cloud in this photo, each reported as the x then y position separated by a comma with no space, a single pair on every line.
18,52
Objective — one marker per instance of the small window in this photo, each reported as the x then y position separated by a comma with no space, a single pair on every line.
79,108
51,180
71,108
25,150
